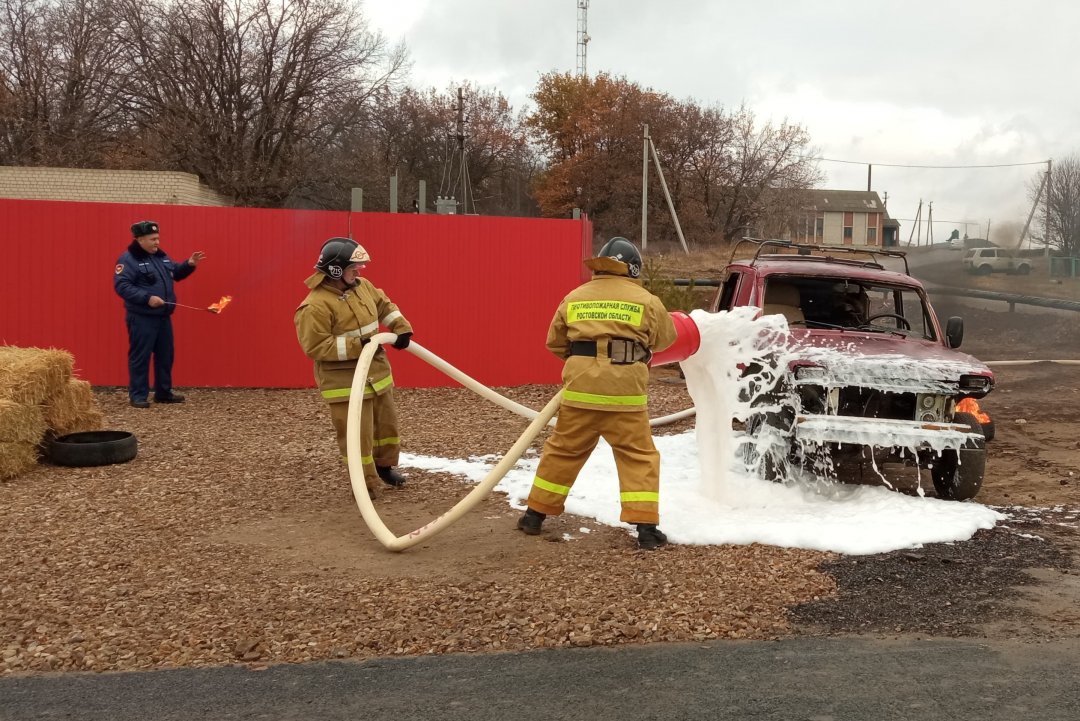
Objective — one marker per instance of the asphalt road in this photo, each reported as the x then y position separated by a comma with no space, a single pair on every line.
812,679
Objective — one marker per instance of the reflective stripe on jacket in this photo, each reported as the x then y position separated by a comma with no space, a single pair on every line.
608,306
333,327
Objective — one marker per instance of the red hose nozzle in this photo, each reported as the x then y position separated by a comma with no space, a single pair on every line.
687,341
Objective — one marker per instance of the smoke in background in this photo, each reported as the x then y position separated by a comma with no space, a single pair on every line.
1007,234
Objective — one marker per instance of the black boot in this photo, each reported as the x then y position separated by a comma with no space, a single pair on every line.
649,537
174,398
530,523
390,477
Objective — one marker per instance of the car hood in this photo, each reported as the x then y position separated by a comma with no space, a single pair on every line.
880,360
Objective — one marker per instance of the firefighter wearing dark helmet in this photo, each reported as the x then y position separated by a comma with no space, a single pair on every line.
606,330
338,316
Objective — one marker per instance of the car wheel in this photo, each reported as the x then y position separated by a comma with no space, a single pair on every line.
985,270
958,475
1024,269
774,464
93,448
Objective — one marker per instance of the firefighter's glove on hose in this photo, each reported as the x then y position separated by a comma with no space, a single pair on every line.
402,341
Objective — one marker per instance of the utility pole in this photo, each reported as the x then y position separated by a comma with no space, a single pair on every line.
645,191
667,197
916,224
1046,226
460,137
869,172
582,37
930,225
1034,207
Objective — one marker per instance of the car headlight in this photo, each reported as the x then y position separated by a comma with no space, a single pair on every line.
810,373
974,384
930,407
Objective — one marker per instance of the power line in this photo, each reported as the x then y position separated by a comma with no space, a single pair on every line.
939,167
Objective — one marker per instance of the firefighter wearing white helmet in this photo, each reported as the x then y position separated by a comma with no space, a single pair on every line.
606,330
340,314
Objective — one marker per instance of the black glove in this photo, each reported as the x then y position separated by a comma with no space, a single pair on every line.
402,341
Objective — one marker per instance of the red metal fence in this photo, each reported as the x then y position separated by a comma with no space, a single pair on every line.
479,291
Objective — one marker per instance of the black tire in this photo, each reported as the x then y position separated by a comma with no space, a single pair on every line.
775,465
988,431
1024,270
984,270
93,448
958,475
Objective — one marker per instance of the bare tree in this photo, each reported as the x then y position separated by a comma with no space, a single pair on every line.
769,167
1064,205
413,134
59,69
249,94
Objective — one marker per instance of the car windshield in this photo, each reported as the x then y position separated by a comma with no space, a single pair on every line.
845,303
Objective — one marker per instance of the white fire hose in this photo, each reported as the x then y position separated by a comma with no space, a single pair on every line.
504,402
356,469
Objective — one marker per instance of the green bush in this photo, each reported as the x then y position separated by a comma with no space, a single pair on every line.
675,297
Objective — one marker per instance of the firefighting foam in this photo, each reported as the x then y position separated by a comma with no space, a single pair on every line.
710,494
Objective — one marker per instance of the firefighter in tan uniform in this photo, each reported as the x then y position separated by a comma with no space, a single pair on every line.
606,330
334,322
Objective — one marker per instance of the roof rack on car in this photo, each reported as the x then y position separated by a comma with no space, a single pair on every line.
821,252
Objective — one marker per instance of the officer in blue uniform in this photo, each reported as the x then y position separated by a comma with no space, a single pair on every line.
144,278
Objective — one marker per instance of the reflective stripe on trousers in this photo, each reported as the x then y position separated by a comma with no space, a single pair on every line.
576,434
379,437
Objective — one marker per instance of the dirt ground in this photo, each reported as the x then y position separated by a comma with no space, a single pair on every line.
233,538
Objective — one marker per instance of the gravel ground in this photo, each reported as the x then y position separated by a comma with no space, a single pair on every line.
232,537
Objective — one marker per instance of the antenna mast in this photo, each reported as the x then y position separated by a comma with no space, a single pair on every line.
582,36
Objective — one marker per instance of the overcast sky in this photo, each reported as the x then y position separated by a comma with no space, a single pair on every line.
949,82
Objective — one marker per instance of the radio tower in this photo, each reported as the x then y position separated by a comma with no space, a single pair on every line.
582,36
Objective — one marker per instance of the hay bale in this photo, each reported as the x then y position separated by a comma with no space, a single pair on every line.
91,420
16,458
20,423
30,375
72,407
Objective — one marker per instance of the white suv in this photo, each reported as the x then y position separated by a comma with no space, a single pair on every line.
984,261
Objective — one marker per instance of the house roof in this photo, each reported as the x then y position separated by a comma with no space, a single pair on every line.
846,201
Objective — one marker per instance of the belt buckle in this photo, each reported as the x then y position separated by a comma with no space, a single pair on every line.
618,357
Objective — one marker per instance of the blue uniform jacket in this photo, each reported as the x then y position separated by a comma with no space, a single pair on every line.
139,275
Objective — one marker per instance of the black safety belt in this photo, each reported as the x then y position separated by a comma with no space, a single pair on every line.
621,351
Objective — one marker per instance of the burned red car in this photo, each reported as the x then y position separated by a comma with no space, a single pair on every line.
866,376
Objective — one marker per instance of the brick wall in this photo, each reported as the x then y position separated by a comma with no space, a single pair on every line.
106,186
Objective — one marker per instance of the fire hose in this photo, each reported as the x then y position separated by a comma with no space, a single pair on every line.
685,346
356,469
